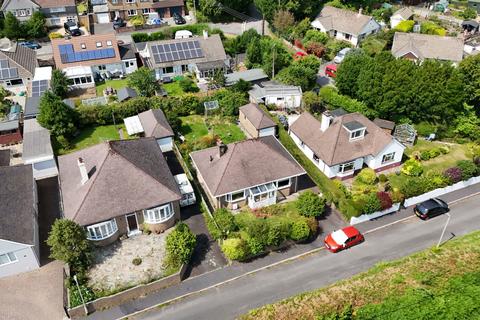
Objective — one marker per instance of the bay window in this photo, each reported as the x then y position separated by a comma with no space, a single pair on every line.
158,214
102,230
235,196
345,167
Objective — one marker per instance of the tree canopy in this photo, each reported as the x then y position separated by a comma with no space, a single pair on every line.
144,81
56,116
59,83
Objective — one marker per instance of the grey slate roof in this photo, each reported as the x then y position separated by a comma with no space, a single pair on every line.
426,46
125,176
8,125
245,164
209,65
404,12
353,125
343,20
384,124
126,93
36,141
25,57
127,51
17,204
4,158
155,124
257,116
247,75
272,88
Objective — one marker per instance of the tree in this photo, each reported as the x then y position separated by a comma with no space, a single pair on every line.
313,35
230,101
310,204
12,28
5,104
241,86
311,102
180,245
283,22
68,242
217,80
470,70
56,116
468,13
315,48
143,79
254,53
301,28
348,72
297,75
59,83
35,26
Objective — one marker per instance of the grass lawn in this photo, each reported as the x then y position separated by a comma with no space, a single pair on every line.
432,284
193,127
94,135
173,89
116,84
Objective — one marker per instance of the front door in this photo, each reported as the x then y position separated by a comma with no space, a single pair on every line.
132,224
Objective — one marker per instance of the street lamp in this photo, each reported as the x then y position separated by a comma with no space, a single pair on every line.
443,231
81,296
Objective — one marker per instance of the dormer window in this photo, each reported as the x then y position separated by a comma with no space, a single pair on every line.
355,129
357,134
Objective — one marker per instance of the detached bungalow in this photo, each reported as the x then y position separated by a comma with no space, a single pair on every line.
19,244
114,187
282,95
256,172
255,121
402,14
343,143
345,25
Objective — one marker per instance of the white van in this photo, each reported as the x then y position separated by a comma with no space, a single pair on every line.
183,34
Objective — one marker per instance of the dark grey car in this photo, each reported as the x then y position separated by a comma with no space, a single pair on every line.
431,208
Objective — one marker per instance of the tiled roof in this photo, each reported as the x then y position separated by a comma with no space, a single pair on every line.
258,117
343,20
25,57
55,3
155,124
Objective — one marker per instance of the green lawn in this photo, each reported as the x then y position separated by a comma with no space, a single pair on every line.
94,135
116,84
193,128
173,88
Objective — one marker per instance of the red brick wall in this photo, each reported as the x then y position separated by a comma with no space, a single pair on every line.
10,138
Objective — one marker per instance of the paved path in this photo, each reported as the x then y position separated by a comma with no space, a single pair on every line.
237,297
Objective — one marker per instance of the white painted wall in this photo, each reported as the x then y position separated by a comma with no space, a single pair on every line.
395,20
289,101
26,258
309,153
375,162
371,27
267,132
44,169
111,67
165,144
130,68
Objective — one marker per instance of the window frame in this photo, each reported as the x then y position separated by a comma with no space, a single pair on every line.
230,196
392,154
154,215
11,260
341,167
110,228
354,136
284,186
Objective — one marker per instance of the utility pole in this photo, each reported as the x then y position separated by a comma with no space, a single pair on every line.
195,9
443,231
273,61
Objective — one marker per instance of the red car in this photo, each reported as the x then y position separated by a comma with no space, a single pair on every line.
343,239
331,70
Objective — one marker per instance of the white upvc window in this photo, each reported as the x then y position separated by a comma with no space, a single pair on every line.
345,167
145,10
131,12
235,196
158,214
7,258
102,230
388,157
283,183
357,134
57,9
263,192
130,1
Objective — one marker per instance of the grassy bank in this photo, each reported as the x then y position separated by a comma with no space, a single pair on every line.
433,284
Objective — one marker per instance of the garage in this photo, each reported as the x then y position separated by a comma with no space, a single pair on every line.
103,17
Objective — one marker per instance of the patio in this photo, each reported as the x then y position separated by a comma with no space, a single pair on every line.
113,269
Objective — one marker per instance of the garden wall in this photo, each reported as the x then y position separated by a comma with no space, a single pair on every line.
441,191
366,217
127,295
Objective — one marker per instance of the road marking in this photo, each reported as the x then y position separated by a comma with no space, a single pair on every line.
389,224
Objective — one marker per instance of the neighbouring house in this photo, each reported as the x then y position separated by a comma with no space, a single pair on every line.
343,24
201,56
256,172
386,125
254,76
343,143
281,95
10,132
152,123
19,242
255,121
101,13
418,47
402,14
474,4
130,8
90,57
186,189
117,188
56,12
126,93
17,66
37,150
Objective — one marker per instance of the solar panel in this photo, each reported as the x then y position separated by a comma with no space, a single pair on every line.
67,54
39,87
4,64
176,51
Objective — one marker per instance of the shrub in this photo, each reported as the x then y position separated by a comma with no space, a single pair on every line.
277,233
225,221
434,180
76,299
136,261
385,200
313,225
255,246
310,204
469,169
300,230
257,230
412,167
180,245
367,176
453,174
55,35
405,26
435,152
444,149
188,85
425,155
397,196
382,178
372,203
414,186
235,249
425,128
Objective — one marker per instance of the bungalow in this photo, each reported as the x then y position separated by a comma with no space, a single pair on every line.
37,150
86,58
254,76
201,56
129,8
402,14
152,123
344,24
281,95
17,67
255,121
114,188
56,12
256,172
418,47
344,142
19,243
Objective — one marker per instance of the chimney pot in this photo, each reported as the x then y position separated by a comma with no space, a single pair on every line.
205,34
360,11
222,149
83,170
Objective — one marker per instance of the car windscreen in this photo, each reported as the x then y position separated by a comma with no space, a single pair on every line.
421,208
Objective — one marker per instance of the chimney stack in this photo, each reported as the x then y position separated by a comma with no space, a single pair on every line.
83,170
222,149
205,34
326,120
360,11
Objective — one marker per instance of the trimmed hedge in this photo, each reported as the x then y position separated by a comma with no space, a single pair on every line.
335,100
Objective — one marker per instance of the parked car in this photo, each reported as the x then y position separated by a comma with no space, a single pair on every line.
30,44
283,120
331,70
154,22
72,29
118,23
178,19
341,55
431,208
342,239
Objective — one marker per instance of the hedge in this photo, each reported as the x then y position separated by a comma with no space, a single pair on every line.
169,32
334,100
